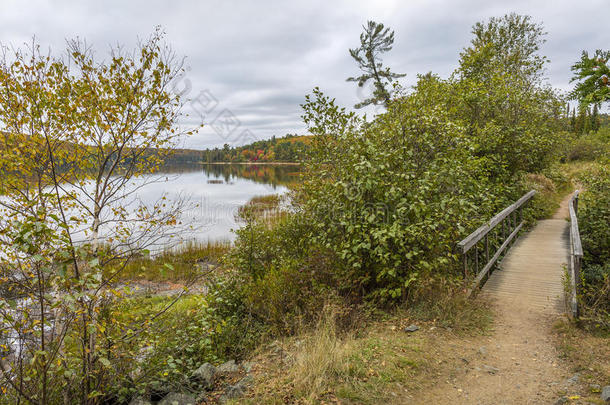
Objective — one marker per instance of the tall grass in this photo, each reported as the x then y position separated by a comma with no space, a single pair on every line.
183,263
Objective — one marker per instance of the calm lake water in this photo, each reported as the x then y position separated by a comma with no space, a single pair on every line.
215,193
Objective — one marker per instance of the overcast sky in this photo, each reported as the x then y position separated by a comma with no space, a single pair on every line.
250,63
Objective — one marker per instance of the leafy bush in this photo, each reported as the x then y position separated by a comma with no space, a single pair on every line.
589,147
392,197
594,223
594,216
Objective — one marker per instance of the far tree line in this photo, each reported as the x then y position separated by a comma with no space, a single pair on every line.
290,148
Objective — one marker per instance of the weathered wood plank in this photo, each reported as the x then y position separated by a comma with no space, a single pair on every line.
530,275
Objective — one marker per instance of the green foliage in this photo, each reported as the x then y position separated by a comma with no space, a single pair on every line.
588,147
392,197
374,41
594,216
74,132
593,76
594,226
508,110
284,278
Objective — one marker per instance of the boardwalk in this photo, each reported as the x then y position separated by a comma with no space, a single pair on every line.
531,274
526,293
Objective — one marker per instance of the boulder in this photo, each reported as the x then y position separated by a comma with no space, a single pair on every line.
176,398
228,367
605,396
247,366
237,390
204,375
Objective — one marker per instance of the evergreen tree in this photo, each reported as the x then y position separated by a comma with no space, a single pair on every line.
375,40
595,124
586,127
580,121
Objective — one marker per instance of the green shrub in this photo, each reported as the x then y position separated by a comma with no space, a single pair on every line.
594,216
392,197
594,223
589,147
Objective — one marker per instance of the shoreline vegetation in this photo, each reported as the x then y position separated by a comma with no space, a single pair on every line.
254,163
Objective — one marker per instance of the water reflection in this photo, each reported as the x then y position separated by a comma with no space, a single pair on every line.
216,192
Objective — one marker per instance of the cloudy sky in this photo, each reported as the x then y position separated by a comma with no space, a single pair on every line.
250,63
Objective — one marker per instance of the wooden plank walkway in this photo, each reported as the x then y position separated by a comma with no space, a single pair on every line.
531,275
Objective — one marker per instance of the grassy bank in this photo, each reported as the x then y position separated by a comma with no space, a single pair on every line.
184,263
377,362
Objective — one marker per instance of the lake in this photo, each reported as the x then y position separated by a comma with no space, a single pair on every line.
215,193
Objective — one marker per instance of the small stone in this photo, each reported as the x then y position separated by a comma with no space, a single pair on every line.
227,367
175,398
574,379
561,401
483,351
411,328
247,366
605,395
490,369
204,375
595,388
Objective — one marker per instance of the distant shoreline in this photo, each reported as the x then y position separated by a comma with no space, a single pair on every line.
253,163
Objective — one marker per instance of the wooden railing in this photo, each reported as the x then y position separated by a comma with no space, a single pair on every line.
575,260
511,221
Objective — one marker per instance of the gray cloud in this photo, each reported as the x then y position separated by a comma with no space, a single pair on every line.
259,59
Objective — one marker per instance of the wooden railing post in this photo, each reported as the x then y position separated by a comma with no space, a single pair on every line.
486,248
576,253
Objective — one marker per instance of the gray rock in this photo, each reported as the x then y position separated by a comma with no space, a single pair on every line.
247,366
483,351
490,369
237,390
605,395
227,367
176,398
411,328
246,381
139,401
561,401
574,379
204,375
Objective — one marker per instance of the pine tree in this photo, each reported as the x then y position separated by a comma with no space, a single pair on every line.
586,127
374,41
595,124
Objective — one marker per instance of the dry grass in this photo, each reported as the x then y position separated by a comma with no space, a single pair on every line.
586,353
378,364
184,263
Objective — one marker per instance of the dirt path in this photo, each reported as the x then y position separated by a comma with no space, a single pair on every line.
518,363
